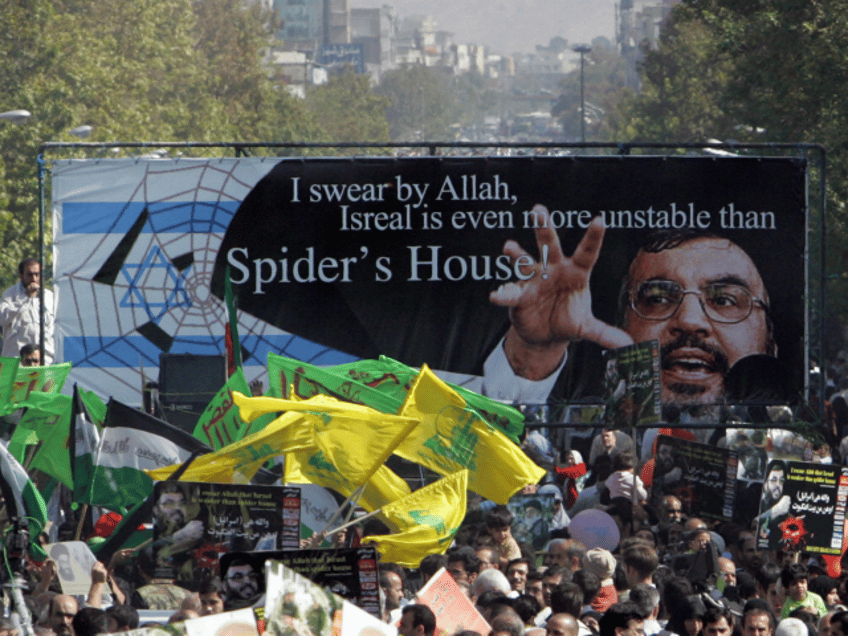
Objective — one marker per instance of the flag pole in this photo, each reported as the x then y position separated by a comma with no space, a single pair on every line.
353,523
354,497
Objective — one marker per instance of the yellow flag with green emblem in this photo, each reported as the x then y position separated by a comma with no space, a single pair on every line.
353,448
452,437
428,520
381,488
238,462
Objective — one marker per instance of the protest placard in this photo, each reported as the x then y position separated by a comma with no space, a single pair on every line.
349,572
632,384
453,609
803,507
702,476
194,523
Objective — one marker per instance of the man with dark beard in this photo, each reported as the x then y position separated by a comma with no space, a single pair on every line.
700,295
242,583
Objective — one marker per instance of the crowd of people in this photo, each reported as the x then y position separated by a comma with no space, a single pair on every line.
671,573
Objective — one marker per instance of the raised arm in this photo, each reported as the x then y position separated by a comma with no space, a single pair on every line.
554,306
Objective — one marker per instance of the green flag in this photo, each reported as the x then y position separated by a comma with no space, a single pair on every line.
382,384
46,422
220,423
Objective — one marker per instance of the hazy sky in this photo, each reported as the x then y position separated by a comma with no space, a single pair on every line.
508,26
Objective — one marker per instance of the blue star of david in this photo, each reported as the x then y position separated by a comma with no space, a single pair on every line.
154,260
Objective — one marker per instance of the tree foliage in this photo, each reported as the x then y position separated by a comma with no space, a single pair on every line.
754,71
420,103
136,70
347,109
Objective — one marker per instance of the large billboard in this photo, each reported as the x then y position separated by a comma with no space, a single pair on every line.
507,274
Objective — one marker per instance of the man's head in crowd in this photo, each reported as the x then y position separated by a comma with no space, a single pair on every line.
90,621
839,623
588,582
463,564
499,524
431,564
699,539
718,621
507,624
566,553
392,586
608,439
516,573
489,580
622,619
792,626
30,356
752,559
561,625
551,577
488,558
29,273
647,598
601,563
568,598
536,587
63,608
417,620
728,570
672,510
640,561
241,581
527,607
211,597
769,586
757,622
122,617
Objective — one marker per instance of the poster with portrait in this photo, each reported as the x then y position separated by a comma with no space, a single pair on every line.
632,384
327,254
74,560
803,507
702,476
195,523
531,518
348,572
296,606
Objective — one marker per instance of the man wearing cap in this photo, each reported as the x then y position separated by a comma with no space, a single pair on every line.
601,563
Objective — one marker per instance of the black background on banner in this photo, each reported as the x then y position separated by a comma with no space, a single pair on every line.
452,325
349,572
799,478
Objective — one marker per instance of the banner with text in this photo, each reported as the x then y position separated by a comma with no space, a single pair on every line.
337,259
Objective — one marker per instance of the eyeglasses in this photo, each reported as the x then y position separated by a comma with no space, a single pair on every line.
722,302
239,576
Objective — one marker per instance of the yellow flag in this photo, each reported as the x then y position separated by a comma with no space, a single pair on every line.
252,407
452,437
428,519
353,446
305,467
238,462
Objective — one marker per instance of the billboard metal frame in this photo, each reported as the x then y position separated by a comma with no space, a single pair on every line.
814,155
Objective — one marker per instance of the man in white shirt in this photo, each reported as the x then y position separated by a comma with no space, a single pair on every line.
20,315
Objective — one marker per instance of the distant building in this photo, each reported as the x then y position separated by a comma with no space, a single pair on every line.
639,24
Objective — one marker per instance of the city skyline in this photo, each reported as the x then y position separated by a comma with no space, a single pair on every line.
509,27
